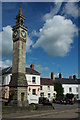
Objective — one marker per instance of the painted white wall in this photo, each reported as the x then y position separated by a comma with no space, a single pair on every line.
32,85
29,79
73,87
67,86
79,91
7,79
45,90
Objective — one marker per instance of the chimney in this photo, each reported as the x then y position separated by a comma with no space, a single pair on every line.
32,66
70,77
52,76
74,77
60,75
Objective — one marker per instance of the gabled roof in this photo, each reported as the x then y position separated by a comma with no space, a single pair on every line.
46,81
67,81
8,70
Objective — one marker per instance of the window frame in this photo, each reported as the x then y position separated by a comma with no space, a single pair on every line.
70,89
77,89
33,79
33,93
40,87
49,95
42,94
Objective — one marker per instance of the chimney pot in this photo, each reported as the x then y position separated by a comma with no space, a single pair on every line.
60,75
70,77
32,66
74,77
52,76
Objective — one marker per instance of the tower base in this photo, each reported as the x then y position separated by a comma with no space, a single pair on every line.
20,97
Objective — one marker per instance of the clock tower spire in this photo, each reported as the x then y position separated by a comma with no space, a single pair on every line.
19,81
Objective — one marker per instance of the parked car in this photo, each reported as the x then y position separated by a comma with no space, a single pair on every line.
44,101
41,100
33,99
64,101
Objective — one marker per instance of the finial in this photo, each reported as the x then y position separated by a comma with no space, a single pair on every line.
20,10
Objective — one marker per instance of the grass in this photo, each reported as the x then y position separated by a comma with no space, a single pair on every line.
6,106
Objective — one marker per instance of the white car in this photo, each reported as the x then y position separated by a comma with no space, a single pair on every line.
33,99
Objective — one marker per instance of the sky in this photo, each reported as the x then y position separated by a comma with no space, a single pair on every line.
52,41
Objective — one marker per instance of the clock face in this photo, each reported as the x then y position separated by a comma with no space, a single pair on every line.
23,33
15,33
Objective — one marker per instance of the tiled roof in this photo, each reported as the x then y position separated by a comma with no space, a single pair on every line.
67,81
8,70
46,81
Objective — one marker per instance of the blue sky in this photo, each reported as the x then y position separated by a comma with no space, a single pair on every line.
52,44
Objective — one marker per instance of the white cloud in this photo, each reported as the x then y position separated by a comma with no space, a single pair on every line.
53,11
41,69
28,44
56,36
72,0
71,9
7,43
34,33
6,63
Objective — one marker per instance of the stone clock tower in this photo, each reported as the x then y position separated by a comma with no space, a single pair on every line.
18,80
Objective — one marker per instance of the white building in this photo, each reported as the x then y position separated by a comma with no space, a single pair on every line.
70,85
32,77
47,87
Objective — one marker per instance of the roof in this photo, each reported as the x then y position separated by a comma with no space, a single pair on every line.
8,70
67,81
46,81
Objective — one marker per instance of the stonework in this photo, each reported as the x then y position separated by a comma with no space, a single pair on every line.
19,81
22,90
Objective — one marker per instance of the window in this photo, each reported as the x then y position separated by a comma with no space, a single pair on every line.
77,96
48,87
10,77
34,91
77,89
40,87
48,95
54,94
33,79
70,89
3,80
42,94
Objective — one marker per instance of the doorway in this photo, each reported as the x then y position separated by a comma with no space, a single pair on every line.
22,97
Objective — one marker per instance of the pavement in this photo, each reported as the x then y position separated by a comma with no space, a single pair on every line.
60,111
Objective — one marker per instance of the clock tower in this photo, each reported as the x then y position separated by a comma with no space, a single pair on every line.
18,80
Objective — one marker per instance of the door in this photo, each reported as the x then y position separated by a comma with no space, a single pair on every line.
22,96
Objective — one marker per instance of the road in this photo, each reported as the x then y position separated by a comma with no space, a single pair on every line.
60,111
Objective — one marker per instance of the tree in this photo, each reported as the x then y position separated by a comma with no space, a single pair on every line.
59,89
